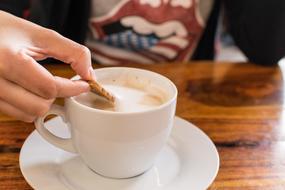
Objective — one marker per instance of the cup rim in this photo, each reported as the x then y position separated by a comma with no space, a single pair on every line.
165,104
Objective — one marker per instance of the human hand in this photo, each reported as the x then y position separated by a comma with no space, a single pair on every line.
27,88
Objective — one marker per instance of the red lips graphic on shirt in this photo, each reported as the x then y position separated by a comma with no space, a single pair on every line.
146,31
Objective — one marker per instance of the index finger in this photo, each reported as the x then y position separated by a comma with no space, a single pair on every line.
59,47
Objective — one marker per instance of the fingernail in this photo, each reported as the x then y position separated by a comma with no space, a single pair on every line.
91,71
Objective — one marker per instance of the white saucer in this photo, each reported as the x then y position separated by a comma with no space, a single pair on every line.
189,161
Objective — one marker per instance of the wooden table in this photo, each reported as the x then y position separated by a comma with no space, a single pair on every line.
239,106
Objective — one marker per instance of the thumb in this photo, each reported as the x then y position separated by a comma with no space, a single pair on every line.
67,88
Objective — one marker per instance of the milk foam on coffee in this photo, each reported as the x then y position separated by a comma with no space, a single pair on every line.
132,95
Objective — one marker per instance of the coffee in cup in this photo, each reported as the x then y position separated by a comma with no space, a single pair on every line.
132,95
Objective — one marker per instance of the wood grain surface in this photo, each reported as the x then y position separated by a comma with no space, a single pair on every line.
239,106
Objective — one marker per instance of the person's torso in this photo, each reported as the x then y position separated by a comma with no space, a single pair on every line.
145,31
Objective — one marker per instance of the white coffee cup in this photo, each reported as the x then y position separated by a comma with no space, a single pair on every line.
115,144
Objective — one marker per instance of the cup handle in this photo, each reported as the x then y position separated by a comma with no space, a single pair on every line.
63,143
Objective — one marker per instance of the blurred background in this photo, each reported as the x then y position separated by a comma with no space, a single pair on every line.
226,50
